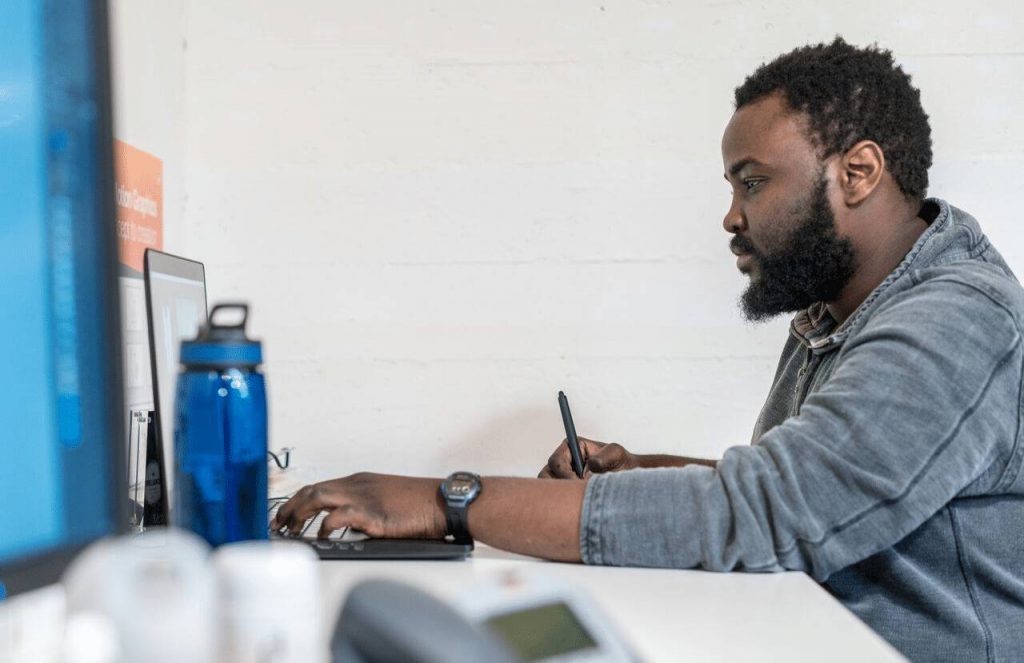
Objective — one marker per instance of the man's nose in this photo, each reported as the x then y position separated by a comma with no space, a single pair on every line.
733,222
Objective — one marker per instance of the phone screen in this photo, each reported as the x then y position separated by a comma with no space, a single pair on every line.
542,632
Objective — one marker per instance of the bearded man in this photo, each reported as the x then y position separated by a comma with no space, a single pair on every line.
886,462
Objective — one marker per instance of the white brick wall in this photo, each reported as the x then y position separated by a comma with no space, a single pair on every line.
444,212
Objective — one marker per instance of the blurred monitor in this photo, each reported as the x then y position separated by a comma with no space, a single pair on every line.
176,307
61,428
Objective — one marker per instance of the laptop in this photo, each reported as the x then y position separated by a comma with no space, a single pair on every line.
176,307
175,310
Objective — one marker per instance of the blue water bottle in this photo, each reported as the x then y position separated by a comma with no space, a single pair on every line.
220,433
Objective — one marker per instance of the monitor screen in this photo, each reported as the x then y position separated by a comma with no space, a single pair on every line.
61,433
176,301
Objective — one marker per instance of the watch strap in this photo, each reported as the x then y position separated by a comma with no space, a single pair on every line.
457,497
457,521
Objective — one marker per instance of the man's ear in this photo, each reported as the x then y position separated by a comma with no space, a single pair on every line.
862,168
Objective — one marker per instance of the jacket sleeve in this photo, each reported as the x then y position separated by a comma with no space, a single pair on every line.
923,405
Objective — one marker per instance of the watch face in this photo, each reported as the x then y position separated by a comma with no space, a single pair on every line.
461,486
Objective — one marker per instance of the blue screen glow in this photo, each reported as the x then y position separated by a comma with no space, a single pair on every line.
55,473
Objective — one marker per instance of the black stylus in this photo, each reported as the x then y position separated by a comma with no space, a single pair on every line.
570,435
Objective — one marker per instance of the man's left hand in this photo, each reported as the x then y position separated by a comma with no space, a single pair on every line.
381,505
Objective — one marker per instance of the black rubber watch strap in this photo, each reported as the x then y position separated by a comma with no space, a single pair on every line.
458,491
458,523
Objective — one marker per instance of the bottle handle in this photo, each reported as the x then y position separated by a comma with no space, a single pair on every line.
228,306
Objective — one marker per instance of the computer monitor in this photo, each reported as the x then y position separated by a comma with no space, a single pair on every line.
61,429
176,308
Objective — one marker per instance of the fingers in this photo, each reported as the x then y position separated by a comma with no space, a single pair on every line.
341,517
590,447
302,506
559,465
608,458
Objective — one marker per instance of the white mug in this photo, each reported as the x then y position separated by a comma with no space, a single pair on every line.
270,603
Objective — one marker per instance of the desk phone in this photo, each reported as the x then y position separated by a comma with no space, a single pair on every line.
514,618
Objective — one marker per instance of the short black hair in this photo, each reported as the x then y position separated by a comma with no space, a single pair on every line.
851,94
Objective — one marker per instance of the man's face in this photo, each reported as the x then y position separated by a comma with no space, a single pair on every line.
781,218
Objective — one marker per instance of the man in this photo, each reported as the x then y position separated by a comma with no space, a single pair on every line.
886,462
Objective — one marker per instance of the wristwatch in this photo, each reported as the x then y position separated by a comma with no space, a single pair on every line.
458,491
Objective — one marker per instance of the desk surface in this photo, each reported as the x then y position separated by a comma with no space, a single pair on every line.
668,615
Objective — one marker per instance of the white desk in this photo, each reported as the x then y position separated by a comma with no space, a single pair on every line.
668,615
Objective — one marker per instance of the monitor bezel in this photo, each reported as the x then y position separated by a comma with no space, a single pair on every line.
186,268
34,571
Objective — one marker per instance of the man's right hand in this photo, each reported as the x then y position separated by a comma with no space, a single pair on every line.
598,457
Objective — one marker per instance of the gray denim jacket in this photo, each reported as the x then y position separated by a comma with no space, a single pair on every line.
886,462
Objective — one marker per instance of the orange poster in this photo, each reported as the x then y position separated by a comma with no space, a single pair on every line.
139,178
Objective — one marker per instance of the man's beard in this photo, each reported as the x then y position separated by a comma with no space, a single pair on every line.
813,264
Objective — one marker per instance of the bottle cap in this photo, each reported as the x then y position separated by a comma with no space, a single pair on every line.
223,345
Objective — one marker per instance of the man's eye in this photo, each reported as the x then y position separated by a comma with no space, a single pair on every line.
751,184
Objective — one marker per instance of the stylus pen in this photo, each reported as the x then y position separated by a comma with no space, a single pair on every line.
570,435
